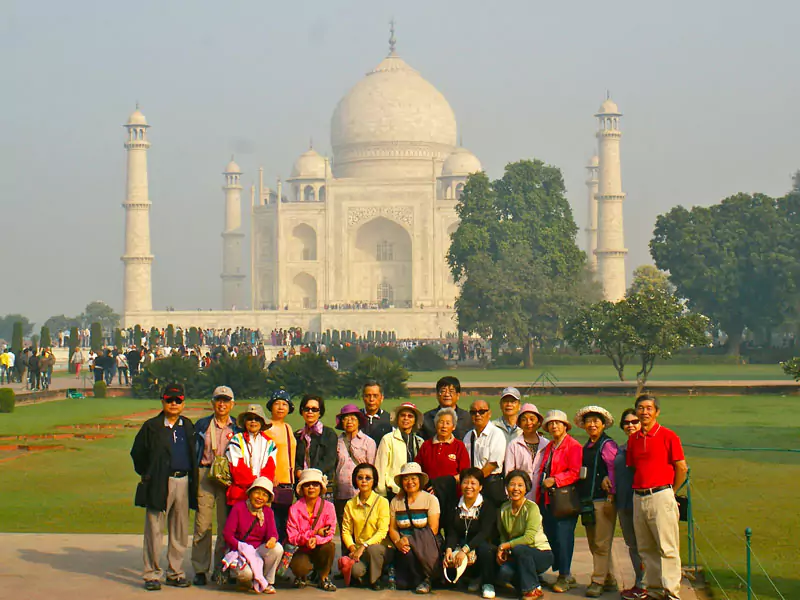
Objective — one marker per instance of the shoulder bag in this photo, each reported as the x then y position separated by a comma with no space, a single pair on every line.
284,494
220,471
587,502
425,545
290,549
564,501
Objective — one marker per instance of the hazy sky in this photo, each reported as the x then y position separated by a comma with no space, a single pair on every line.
710,93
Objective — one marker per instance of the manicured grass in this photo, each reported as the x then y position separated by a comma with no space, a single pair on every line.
603,373
89,486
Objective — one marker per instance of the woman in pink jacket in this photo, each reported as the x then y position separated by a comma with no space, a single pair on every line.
311,525
561,462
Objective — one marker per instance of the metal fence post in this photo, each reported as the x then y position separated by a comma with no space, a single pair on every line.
748,533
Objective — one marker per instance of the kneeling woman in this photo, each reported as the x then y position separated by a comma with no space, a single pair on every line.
311,524
414,531
524,553
252,538
365,525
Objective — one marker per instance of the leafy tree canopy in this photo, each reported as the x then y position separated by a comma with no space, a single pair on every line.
100,312
7,326
515,257
58,323
736,261
647,278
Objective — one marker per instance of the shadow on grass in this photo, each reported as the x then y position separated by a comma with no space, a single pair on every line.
731,437
115,564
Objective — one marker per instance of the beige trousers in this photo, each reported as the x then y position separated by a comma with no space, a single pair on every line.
209,496
655,521
271,557
600,535
177,519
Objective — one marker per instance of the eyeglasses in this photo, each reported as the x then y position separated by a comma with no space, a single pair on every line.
311,409
630,422
173,400
447,390
364,478
252,418
479,412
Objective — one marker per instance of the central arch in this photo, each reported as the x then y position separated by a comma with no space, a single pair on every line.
382,261
304,291
304,243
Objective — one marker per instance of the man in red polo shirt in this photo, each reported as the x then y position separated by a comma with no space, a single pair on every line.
656,455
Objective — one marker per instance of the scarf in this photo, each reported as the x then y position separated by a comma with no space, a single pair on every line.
412,445
305,436
259,514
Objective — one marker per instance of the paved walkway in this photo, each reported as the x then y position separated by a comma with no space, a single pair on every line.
93,567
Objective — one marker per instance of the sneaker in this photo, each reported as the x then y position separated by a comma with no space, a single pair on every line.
595,590
152,585
610,584
634,593
474,586
423,588
534,594
561,585
300,582
180,582
487,591
199,579
270,589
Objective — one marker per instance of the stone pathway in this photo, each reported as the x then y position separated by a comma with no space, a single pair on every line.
94,567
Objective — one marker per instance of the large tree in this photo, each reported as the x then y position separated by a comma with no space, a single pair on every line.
515,257
647,278
58,323
736,261
7,326
102,313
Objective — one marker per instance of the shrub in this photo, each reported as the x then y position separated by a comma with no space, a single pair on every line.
174,369
171,335
388,352
96,341
100,390
242,374
7,400
16,338
347,356
425,358
304,374
792,368
74,340
391,375
44,337
118,339
137,336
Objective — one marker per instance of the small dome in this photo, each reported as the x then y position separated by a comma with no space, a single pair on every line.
608,107
310,165
594,161
136,118
461,162
232,167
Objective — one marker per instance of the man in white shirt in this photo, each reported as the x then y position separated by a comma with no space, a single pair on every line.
486,446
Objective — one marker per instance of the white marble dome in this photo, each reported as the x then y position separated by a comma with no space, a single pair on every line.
136,118
309,165
609,107
461,162
392,114
232,167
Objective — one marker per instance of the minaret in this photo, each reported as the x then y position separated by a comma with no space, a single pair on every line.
137,282
232,238
611,249
591,228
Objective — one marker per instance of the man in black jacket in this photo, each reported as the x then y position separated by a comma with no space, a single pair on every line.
378,422
448,390
164,457
133,357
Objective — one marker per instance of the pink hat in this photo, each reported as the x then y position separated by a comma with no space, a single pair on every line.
531,408
350,409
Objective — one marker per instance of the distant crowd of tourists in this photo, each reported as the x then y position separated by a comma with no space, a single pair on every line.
450,497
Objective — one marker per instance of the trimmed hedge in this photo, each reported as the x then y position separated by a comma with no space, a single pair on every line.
100,389
8,400
425,358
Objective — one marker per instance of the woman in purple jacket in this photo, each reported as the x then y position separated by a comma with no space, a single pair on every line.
252,539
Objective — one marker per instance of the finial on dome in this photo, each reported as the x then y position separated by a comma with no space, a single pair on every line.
461,140
310,143
608,94
137,105
392,39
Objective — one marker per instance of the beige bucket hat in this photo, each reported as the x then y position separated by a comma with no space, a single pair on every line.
412,468
253,409
556,415
311,476
265,484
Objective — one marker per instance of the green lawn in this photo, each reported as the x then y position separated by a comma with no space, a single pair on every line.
89,486
665,372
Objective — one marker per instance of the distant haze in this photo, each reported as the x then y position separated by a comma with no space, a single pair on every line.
709,92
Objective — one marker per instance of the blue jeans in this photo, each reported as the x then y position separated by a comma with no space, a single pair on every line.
560,533
524,567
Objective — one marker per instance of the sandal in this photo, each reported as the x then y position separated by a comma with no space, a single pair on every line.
270,589
327,585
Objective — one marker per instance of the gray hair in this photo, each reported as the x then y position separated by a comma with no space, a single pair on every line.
444,412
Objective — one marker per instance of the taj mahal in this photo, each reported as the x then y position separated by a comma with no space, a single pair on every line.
357,240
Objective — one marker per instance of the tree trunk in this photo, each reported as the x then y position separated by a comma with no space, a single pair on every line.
528,354
495,347
734,343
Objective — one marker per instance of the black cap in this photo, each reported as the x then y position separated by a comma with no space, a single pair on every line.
173,390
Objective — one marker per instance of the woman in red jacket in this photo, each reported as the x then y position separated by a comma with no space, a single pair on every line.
562,461
251,454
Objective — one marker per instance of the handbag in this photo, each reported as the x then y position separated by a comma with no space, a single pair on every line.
564,501
284,493
220,470
290,549
588,517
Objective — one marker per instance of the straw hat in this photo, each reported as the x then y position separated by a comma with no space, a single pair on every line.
606,416
253,409
411,468
310,476
265,484
351,409
556,415
530,408
412,407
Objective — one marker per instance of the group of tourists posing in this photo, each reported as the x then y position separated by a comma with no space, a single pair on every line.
447,497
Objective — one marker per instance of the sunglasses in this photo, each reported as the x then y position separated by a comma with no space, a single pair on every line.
311,409
173,400
252,418
479,412
630,422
